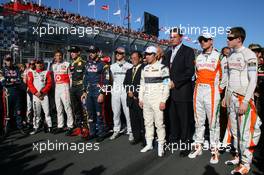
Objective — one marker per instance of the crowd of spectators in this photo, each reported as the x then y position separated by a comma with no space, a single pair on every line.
72,18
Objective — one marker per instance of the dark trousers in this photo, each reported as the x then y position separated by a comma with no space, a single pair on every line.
260,109
137,120
97,126
181,119
14,105
76,93
223,119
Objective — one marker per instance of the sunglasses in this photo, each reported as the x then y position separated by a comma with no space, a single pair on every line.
120,53
39,62
147,54
92,52
204,39
231,38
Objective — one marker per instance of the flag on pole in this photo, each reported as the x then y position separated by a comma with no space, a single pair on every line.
138,20
105,7
118,12
92,3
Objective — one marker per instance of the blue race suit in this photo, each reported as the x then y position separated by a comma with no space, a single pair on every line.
96,77
11,81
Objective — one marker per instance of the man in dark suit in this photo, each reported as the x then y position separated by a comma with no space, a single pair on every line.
131,83
180,60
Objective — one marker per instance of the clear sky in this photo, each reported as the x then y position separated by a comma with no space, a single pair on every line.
193,13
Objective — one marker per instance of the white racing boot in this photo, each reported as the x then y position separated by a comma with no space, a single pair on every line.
214,156
160,150
234,161
197,151
147,147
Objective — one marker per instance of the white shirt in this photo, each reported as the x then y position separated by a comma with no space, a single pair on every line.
174,52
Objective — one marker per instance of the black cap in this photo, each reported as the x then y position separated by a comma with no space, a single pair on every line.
74,49
92,48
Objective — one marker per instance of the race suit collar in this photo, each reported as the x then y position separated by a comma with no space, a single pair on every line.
77,60
239,49
154,64
39,70
209,53
120,62
60,62
96,60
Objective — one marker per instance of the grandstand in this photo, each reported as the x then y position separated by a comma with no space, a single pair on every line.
18,23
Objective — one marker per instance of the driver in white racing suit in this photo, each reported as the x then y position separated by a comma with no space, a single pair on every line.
242,80
211,79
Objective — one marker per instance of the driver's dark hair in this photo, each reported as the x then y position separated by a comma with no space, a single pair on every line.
239,32
58,51
136,52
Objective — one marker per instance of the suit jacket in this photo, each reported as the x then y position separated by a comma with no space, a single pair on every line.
181,73
133,85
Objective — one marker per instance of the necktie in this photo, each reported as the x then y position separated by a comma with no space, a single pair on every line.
173,54
133,72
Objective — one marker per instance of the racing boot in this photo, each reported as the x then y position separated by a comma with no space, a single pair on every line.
147,147
234,161
241,169
196,151
214,156
160,149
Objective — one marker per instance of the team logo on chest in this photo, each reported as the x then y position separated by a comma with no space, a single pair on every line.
236,62
42,77
11,73
92,68
57,77
63,68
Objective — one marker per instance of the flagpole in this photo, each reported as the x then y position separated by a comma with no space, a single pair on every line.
39,2
59,4
141,22
108,14
118,6
78,6
128,26
94,11
120,21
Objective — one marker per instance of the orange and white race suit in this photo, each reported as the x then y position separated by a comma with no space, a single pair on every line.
242,80
211,78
